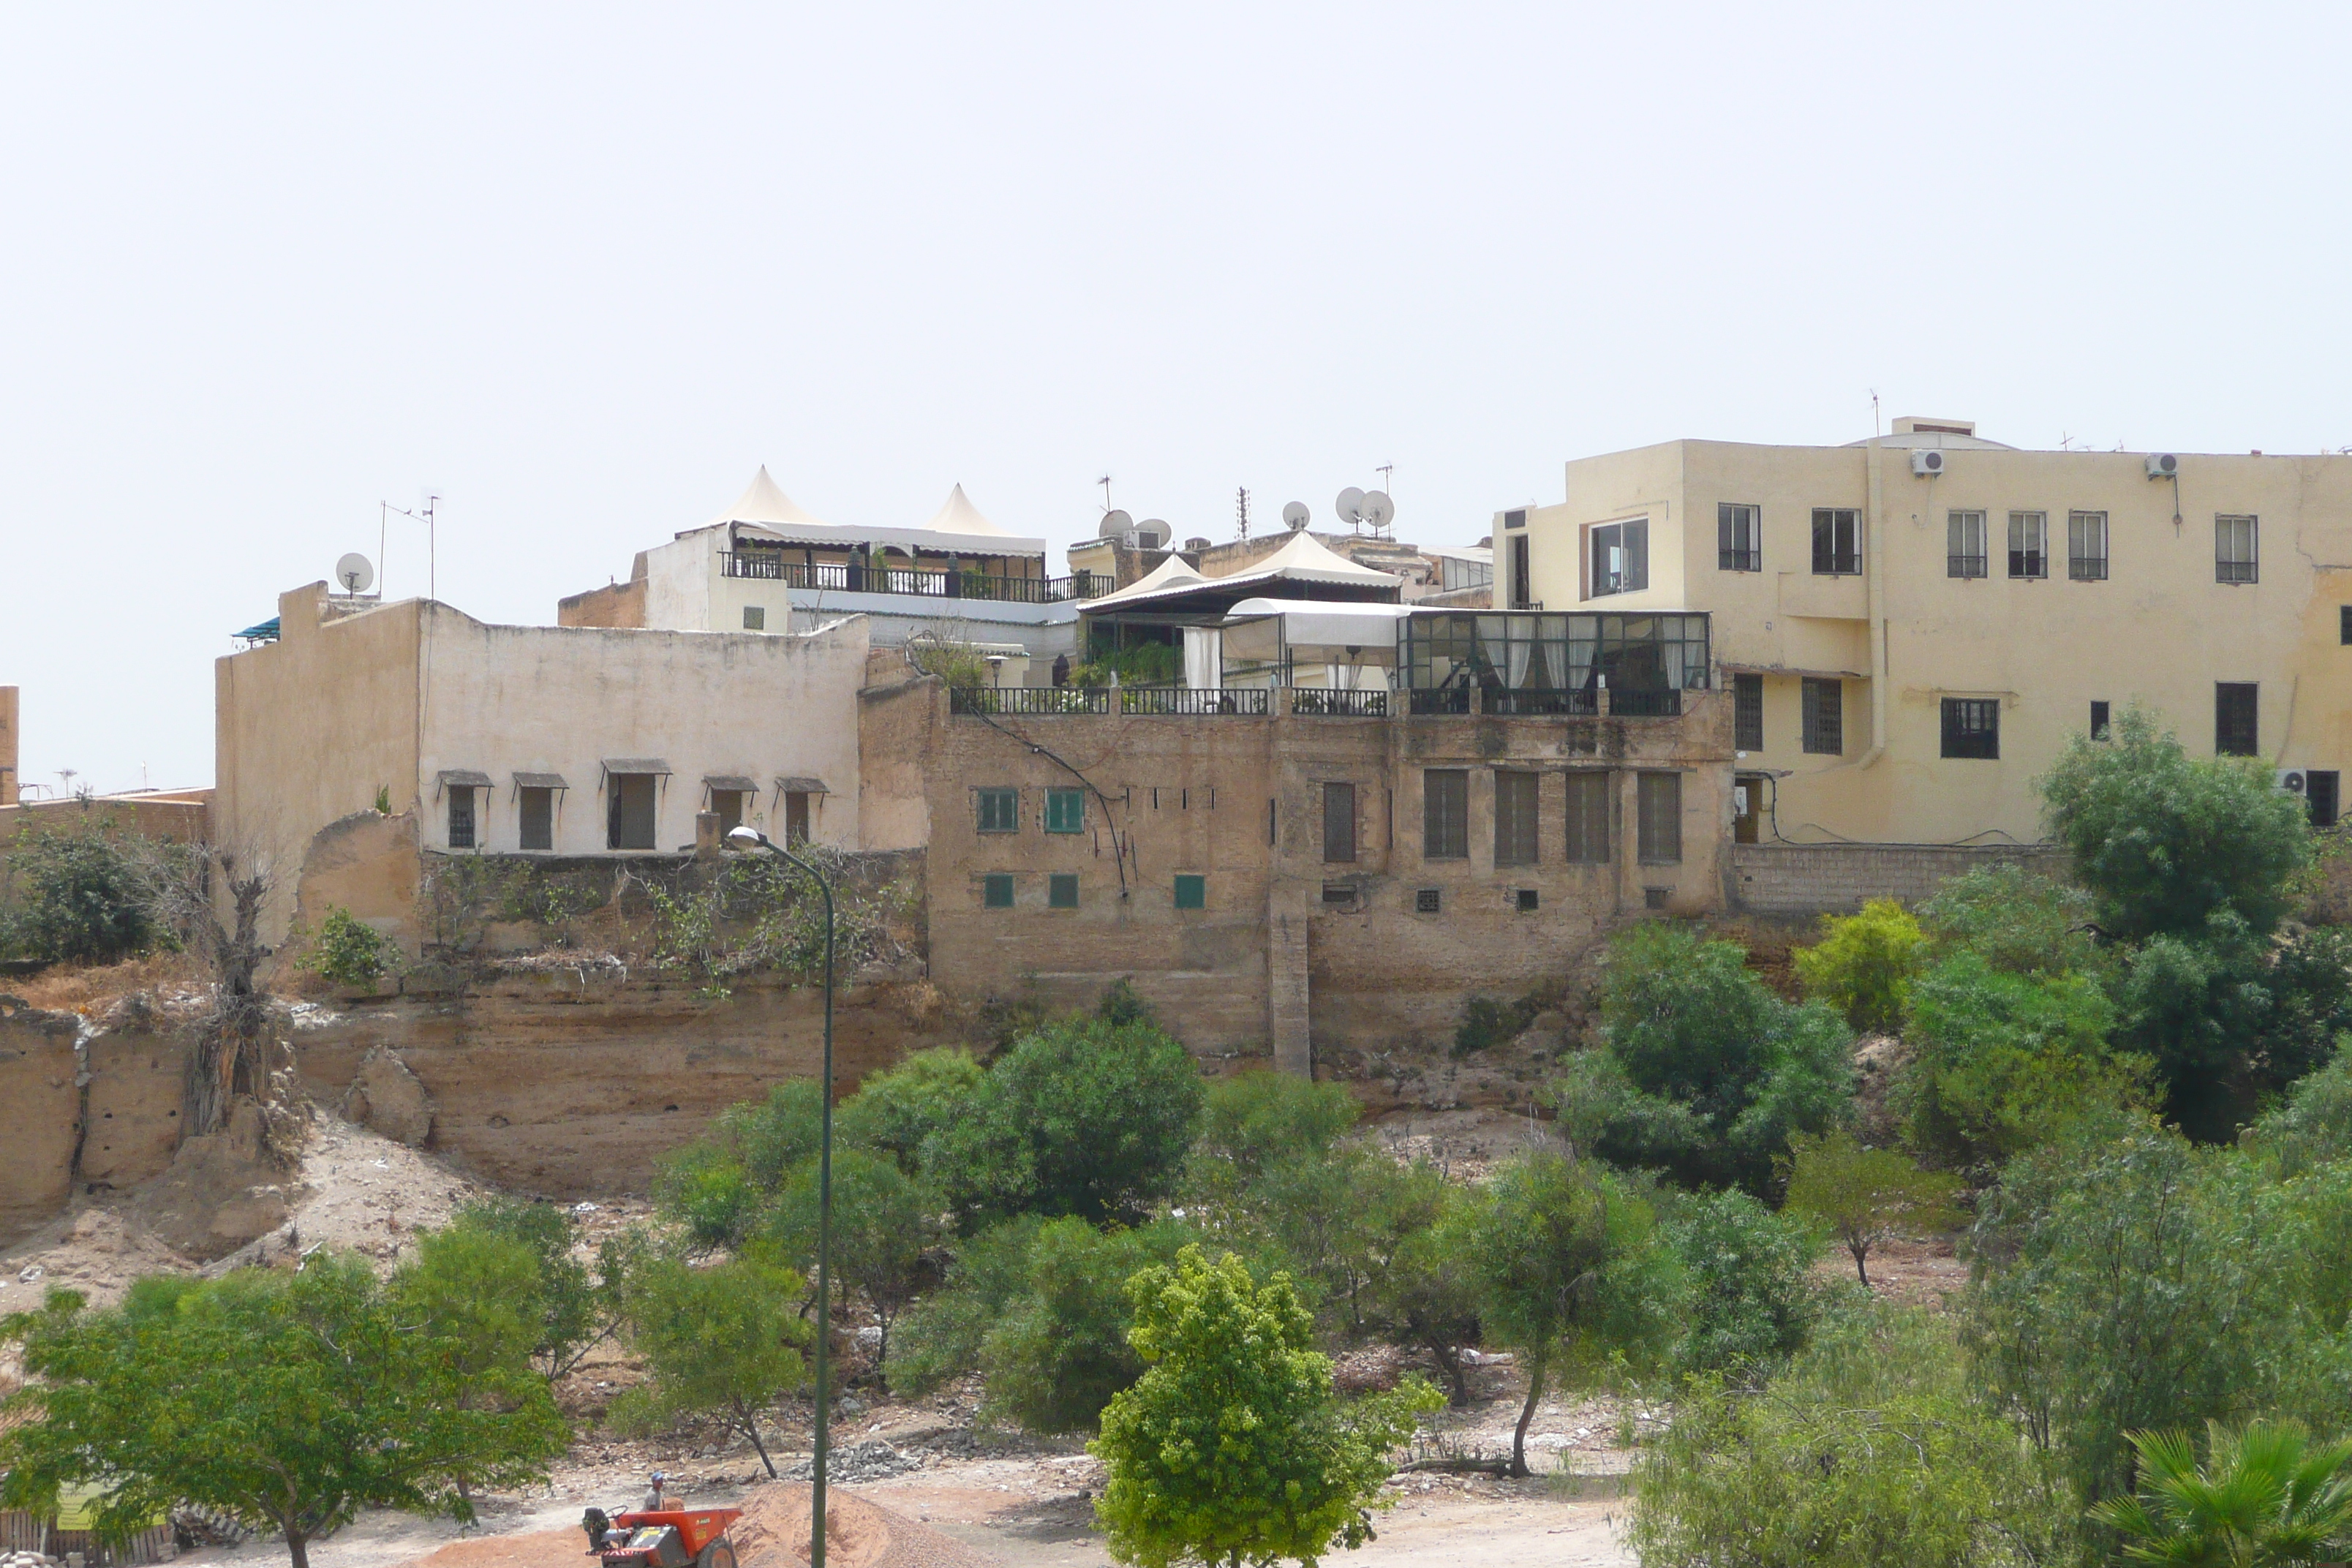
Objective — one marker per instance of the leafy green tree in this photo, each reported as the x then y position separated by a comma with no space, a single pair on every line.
1571,1271
1253,1120
1060,1351
1862,1197
898,1112
1864,963
1231,1448
2020,922
1429,1293
1872,1447
940,1337
719,1185
507,1265
1704,1072
884,1224
2313,1127
476,1289
285,1401
346,951
80,897
1751,1300
2266,1497
2004,1061
1084,1118
2163,840
719,1342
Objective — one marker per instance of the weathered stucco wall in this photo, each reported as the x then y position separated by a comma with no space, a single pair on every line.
39,1119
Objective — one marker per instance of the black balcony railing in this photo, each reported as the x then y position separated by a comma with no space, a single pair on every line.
1023,701
1319,702
1438,699
1627,702
1249,702
855,577
1539,703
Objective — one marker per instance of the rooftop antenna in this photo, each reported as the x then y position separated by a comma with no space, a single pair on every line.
1388,475
1873,414
1105,482
424,514
1240,509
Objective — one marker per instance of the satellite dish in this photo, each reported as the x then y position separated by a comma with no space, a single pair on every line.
1378,509
1114,523
1153,533
1351,505
1295,516
354,573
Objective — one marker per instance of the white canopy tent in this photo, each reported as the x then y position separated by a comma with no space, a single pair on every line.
764,511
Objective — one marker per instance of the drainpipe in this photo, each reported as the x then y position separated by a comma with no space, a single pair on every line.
1874,585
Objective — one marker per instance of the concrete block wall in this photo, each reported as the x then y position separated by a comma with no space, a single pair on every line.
1838,878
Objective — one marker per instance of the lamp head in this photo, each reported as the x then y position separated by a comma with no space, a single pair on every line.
745,837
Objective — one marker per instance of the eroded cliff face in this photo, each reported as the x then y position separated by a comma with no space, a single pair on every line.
40,1117
573,1082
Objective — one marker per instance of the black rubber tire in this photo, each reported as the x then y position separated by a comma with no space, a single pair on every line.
720,1553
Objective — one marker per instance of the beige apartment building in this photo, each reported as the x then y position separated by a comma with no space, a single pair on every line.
1912,627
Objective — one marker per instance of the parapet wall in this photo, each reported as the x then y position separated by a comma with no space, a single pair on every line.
1838,878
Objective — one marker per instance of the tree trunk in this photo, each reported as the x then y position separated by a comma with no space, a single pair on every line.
749,1422
1449,1361
1861,1250
298,1547
1537,1366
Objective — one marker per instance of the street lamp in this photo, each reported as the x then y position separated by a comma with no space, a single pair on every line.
747,840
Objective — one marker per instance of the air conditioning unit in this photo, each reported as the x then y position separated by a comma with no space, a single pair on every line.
2163,466
2290,780
1928,461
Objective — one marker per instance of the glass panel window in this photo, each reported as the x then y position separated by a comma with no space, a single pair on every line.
2236,728
1837,541
1514,817
1192,892
1445,813
2086,546
996,891
2029,544
2099,721
1738,537
1522,595
1621,557
1964,544
1339,822
1000,810
2237,543
1748,712
755,618
1066,810
461,816
1659,800
1061,890
2343,625
1587,818
538,818
1824,717
1972,726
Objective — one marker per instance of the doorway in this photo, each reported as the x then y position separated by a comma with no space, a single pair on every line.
1746,807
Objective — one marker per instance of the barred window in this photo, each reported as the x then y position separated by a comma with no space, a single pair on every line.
2236,725
1445,813
1972,726
1659,800
1964,544
2029,544
1748,712
2086,546
1738,537
1837,541
1514,817
2237,549
1587,818
1824,717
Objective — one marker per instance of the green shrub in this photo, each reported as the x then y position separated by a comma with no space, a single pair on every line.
1487,1023
80,898
1752,1298
347,951
940,1339
899,1112
959,664
1060,1351
1864,963
2017,921
2313,1127
884,1221
1862,1197
1146,664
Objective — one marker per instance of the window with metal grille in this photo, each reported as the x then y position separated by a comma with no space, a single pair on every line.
1748,712
996,891
1066,810
1425,901
2086,546
2237,549
1587,818
1522,595
1824,717
1964,544
2029,544
1621,557
2343,625
755,618
1445,813
461,816
2236,725
1192,892
1659,812
1339,822
1529,900
1061,890
1515,818
1837,541
2099,721
1738,537
1000,810
1972,726
538,805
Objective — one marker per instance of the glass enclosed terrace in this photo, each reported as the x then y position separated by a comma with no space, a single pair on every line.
1469,662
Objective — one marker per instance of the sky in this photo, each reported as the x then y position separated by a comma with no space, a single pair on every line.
582,269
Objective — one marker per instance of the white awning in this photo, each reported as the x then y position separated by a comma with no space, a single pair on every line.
763,510
1172,572
1320,623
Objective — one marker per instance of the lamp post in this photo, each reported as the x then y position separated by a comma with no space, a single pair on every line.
749,838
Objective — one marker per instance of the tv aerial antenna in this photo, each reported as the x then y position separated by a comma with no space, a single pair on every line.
1240,509
424,513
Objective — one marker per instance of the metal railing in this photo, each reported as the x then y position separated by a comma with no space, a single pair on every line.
1320,702
1626,702
1248,702
1425,700
855,577
1544,703
1025,701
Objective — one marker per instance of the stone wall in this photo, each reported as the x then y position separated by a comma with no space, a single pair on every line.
39,1115
1838,878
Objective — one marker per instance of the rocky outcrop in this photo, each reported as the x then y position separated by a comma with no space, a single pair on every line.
387,1097
40,1114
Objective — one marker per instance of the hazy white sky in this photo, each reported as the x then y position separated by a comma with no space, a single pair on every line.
582,269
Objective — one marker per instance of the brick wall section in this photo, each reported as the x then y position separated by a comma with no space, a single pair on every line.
1838,878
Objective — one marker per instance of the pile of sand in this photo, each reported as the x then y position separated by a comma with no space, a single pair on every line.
772,1533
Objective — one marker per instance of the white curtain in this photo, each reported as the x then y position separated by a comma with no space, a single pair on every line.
1204,657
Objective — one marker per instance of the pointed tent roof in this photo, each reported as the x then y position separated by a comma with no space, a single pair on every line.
1307,558
1303,568
1172,572
957,515
763,500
